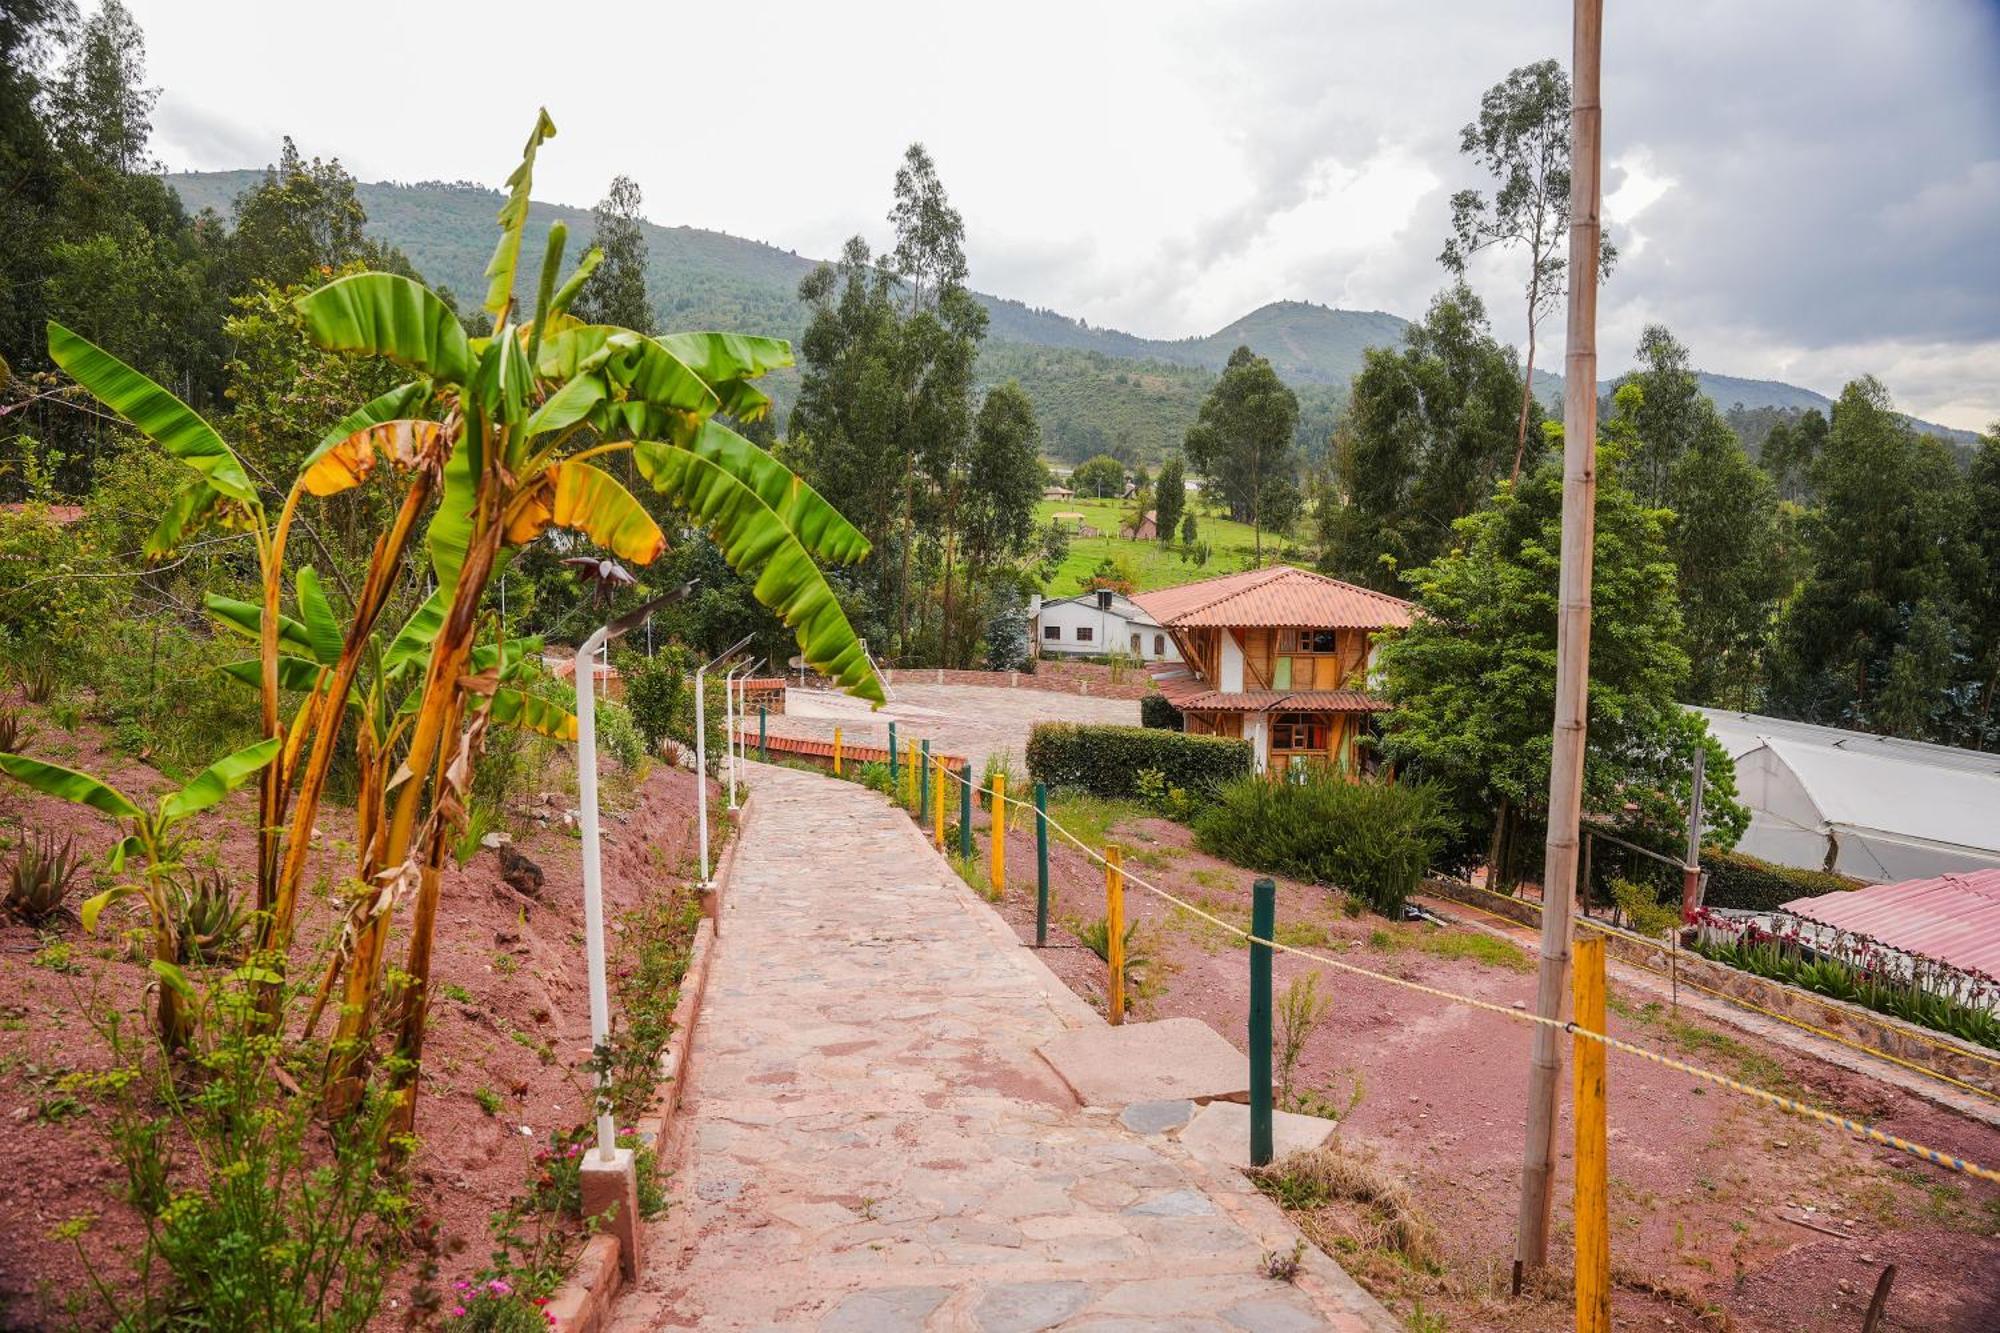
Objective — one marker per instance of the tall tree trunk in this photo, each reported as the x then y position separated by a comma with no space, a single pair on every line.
1527,395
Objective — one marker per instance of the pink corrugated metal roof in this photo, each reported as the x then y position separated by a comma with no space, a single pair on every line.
1281,597
1953,918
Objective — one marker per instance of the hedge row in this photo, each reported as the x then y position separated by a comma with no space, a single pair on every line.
1107,761
1738,880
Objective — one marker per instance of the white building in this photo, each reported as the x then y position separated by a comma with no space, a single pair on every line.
1096,624
1874,807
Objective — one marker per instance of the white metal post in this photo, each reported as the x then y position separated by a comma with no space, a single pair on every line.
701,749
593,885
729,727
742,737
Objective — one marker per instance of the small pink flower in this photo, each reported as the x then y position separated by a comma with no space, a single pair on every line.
499,1288
458,1312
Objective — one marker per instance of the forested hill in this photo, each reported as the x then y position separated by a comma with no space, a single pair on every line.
1094,389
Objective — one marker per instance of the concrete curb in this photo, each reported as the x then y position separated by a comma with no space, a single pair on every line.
583,1303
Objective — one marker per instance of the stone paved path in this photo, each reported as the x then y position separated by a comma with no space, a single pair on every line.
871,1143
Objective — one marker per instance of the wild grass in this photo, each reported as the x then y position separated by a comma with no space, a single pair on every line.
1344,1199
1453,943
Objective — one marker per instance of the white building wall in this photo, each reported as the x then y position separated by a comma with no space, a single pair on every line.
1232,665
1110,632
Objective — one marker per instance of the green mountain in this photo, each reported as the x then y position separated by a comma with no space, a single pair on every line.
1096,390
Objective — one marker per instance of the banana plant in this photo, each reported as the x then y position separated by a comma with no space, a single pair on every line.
494,441
150,841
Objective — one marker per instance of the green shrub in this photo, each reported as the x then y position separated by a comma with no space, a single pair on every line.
1107,761
1642,909
618,735
1742,881
1373,839
1155,711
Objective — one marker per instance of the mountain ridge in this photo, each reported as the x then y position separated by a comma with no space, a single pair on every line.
1097,388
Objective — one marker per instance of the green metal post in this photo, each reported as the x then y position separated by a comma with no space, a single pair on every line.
763,733
1263,920
893,786
924,786
1041,865
965,812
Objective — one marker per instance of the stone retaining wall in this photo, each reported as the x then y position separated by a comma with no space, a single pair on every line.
1935,1051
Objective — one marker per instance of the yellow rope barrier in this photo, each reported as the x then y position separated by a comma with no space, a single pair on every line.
1789,1104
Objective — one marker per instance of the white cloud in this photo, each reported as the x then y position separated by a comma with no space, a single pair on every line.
1799,185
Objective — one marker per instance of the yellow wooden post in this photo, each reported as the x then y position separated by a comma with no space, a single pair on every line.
1593,1209
937,801
1114,928
998,832
910,786
836,751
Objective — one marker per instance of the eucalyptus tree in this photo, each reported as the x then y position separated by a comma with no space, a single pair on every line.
616,293
1244,441
490,443
1521,138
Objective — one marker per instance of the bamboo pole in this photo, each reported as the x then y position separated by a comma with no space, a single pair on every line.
1593,1202
1572,637
1114,928
836,751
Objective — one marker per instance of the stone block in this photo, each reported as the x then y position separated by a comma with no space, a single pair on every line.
1220,1132
1174,1059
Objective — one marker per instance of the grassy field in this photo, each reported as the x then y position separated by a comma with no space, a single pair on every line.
1151,564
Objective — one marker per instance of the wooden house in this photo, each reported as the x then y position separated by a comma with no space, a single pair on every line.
1278,656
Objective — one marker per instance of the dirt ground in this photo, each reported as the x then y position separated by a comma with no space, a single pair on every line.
1721,1206
511,1021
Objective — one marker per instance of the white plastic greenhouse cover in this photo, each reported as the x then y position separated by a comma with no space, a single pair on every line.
1889,809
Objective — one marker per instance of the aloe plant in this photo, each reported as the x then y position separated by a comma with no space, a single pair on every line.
495,440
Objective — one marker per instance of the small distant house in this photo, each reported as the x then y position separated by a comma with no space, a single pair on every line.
1147,529
1096,624
1280,657
1058,493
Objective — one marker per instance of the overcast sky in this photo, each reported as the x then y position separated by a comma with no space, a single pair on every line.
1803,189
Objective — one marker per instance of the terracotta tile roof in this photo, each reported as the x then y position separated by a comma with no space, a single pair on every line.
1192,696
1280,596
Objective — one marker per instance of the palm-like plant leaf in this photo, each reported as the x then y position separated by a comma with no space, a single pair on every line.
294,673
160,416
513,217
346,454
592,502
190,508
322,627
529,712
817,524
727,361
414,638
754,539
68,785
220,778
450,532
247,619
385,314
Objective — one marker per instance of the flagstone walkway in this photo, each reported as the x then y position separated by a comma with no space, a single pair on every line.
871,1143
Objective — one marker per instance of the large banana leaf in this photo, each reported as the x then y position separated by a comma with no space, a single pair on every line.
567,293
385,314
188,510
294,673
641,369
512,217
755,541
160,416
413,640
322,626
220,778
530,712
68,784
247,619
450,532
545,290
820,527
592,502
345,455
567,405
728,356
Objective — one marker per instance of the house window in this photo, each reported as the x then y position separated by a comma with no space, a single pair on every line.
1135,646
1305,641
1159,645
1299,731
1052,631
1083,633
